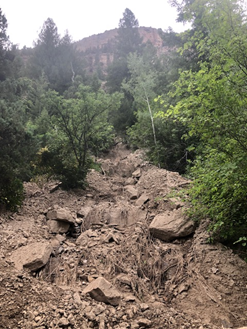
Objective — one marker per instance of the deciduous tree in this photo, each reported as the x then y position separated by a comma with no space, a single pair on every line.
212,104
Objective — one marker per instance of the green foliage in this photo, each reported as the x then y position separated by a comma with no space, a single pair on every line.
79,129
11,192
117,72
128,38
54,58
4,45
161,137
16,144
170,151
128,41
9,62
219,193
211,102
242,240
141,85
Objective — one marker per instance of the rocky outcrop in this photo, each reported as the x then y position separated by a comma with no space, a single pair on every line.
103,39
99,48
170,225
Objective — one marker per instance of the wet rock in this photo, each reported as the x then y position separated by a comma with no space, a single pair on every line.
124,279
82,239
120,214
170,225
103,291
33,256
63,322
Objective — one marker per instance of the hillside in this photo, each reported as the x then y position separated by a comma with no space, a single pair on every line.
99,48
96,259
103,39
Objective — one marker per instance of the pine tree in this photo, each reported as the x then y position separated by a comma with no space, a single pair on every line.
4,45
128,38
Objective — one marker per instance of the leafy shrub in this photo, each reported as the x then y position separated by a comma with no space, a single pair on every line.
219,193
11,192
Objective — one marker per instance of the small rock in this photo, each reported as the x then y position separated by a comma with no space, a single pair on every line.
63,322
103,291
77,298
144,322
132,192
137,173
144,307
142,200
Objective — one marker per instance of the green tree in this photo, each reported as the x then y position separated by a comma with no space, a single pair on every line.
8,66
17,146
141,84
45,52
128,41
80,129
4,44
55,58
162,138
212,104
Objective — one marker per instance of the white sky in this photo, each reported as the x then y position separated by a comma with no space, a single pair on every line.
82,18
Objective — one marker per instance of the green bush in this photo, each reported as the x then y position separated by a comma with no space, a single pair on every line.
219,193
11,192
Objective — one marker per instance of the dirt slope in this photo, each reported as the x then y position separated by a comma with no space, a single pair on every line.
186,283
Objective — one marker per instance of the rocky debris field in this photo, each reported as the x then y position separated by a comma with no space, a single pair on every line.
119,254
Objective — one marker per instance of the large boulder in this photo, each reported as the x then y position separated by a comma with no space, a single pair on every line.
103,291
60,214
121,214
170,225
124,216
58,226
33,256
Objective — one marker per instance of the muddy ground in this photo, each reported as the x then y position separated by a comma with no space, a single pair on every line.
185,283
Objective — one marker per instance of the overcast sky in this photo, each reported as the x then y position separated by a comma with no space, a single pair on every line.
82,18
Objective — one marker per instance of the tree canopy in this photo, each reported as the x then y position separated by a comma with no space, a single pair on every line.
212,102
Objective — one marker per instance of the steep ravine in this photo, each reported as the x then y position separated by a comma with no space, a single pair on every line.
96,262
